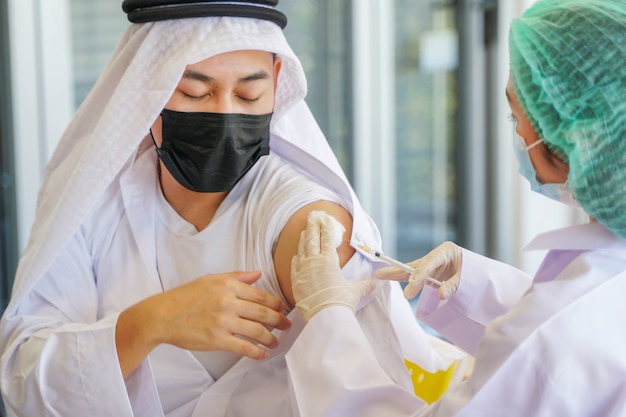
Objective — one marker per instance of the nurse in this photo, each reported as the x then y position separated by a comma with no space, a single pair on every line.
193,158
552,346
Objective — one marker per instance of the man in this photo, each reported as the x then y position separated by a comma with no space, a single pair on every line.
127,301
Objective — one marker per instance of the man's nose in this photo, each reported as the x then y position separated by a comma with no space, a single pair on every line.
222,103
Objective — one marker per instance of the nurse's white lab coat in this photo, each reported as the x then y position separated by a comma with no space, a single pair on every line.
555,348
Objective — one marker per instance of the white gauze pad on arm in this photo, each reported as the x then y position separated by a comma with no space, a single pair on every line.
338,227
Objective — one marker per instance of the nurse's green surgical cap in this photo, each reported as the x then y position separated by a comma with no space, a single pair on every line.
568,68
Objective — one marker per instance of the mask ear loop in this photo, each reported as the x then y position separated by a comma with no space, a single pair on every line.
158,167
534,144
158,156
158,151
153,141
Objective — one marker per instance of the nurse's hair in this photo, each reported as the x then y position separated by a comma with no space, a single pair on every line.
569,73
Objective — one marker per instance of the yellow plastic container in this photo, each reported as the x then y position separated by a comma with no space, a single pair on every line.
427,385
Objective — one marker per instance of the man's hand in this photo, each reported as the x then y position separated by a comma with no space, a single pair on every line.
214,312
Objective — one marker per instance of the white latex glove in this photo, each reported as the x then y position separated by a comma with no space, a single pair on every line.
316,277
442,263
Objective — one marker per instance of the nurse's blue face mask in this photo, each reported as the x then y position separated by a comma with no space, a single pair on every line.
557,192
211,152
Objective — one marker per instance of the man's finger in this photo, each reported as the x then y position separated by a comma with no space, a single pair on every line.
256,332
258,296
243,347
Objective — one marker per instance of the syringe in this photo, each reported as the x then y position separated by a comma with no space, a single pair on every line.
395,262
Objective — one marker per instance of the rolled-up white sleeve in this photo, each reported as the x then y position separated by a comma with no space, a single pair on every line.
487,289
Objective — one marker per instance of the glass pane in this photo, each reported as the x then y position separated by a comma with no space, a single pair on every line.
8,215
319,33
97,26
426,107
8,243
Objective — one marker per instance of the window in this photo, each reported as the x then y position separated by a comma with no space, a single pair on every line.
8,229
417,116
319,32
97,26
426,58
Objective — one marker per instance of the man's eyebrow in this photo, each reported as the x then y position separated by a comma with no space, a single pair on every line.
259,75
198,76
506,93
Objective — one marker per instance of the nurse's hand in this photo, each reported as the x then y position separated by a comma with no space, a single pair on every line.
442,263
316,277
214,312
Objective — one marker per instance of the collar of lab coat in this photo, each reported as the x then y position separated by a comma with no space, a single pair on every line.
587,236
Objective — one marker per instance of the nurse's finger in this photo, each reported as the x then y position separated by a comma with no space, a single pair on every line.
302,244
440,263
295,261
413,289
330,229
430,265
312,236
392,273
298,258
449,287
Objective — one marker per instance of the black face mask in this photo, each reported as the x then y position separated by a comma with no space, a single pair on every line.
210,152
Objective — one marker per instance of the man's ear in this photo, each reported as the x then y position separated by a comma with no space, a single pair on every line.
278,63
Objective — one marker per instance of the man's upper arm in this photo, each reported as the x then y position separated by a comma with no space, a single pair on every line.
287,244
